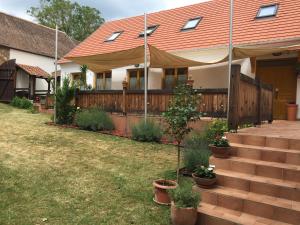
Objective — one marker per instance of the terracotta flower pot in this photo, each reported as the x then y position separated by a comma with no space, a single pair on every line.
204,182
183,216
220,152
161,188
292,110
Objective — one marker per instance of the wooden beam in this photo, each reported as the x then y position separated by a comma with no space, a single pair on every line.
233,116
253,64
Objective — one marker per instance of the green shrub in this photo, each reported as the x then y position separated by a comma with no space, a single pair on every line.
22,103
196,152
184,197
216,128
93,119
64,109
147,131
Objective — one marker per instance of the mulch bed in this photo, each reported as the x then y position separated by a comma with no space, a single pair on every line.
113,133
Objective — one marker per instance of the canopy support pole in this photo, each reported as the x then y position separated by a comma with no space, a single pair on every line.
55,71
230,53
145,66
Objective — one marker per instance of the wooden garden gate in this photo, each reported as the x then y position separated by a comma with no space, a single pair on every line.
7,80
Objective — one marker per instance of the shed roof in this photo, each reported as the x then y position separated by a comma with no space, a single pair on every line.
27,36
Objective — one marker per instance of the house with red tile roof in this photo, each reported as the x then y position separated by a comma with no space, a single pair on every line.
201,32
28,49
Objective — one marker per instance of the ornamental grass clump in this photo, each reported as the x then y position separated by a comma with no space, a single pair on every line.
146,131
196,152
94,119
184,197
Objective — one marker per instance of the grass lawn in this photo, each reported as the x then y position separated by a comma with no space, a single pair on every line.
50,175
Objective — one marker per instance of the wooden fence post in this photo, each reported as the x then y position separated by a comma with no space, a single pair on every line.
125,84
259,101
234,94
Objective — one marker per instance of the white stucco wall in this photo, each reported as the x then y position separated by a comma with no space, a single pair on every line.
22,80
68,68
45,63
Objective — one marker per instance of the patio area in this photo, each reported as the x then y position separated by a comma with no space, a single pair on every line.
279,128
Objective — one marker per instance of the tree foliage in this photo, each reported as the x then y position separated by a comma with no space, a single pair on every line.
182,110
76,20
65,110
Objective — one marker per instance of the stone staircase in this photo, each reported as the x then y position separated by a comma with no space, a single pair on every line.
258,184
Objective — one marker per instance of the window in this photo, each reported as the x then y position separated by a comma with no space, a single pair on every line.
103,81
136,79
149,31
192,23
267,11
173,76
114,36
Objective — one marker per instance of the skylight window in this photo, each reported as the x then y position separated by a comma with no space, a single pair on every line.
192,23
149,31
114,36
267,11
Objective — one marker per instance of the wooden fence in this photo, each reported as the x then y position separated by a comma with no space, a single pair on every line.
213,101
251,101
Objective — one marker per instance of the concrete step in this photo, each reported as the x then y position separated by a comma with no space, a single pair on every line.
268,207
264,141
209,214
289,156
257,167
261,185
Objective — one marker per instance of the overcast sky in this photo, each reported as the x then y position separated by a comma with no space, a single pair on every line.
110,9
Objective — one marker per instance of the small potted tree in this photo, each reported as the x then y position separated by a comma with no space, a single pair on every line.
184,205
220,147
181,111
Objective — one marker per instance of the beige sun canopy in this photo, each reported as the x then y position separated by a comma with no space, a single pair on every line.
162,59
108,61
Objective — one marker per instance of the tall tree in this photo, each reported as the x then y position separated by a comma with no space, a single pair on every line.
76,20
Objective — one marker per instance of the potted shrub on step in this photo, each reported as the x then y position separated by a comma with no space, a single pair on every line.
184,205
220,147
205,177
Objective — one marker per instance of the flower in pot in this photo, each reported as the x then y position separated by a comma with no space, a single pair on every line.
184,205
205,177
220,147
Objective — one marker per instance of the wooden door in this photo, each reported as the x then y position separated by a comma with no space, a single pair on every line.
281,75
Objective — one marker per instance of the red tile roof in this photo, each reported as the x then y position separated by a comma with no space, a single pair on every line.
211,32
34,70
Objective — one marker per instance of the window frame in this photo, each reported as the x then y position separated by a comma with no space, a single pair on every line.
149,34
199,18
104,77
108,38
276,5
175,77
140,73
